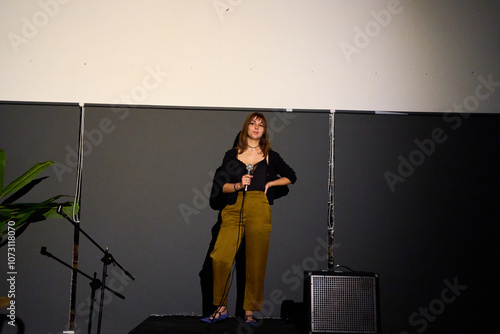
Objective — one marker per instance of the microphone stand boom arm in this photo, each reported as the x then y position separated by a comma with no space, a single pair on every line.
109,256
43,251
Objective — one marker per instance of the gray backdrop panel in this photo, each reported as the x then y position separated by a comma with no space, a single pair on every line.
147,175
434,235
32,133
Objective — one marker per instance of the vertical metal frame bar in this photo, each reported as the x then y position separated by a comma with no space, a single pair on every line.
331,192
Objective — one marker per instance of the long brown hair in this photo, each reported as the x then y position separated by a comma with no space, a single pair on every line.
264,143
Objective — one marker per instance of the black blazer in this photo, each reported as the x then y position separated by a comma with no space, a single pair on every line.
231,172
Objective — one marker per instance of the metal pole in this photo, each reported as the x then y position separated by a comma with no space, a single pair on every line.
76,234
331,193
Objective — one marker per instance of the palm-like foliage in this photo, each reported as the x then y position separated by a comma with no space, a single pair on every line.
23,214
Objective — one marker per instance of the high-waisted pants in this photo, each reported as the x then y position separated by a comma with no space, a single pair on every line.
253,222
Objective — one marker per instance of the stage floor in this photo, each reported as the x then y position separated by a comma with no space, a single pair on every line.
180,324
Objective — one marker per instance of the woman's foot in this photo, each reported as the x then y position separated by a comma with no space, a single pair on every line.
250,319
219,315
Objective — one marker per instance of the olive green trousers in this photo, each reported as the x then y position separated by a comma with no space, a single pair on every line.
254,223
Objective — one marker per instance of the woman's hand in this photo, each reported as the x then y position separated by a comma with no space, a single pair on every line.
268,185
246,180
232,187
278,182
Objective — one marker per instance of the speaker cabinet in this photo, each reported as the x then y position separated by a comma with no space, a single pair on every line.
339,302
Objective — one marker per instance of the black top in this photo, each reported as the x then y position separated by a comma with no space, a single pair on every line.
259,173
233,169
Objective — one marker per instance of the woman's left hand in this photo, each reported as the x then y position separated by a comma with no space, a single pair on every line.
282,181
268,185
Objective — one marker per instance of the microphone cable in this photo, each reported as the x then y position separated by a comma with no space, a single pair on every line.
230,277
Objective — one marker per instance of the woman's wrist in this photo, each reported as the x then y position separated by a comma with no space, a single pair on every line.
237,188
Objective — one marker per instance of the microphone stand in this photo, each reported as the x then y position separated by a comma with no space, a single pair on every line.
107,260
94,283
59,211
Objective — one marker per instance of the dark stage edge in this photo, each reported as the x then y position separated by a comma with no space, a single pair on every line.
180,324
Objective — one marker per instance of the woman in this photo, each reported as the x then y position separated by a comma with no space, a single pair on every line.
250,174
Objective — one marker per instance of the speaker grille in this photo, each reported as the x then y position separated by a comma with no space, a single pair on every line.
343,304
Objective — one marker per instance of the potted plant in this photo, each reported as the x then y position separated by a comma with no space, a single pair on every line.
18,216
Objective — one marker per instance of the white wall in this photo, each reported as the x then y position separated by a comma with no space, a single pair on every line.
419,55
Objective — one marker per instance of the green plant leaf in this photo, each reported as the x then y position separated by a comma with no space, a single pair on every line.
25,178
67,208
23,191
21,225
27,213
2,226
18,216
3,161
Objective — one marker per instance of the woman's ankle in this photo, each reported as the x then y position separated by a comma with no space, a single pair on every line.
221,310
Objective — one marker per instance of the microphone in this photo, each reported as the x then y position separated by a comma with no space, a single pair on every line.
249,172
